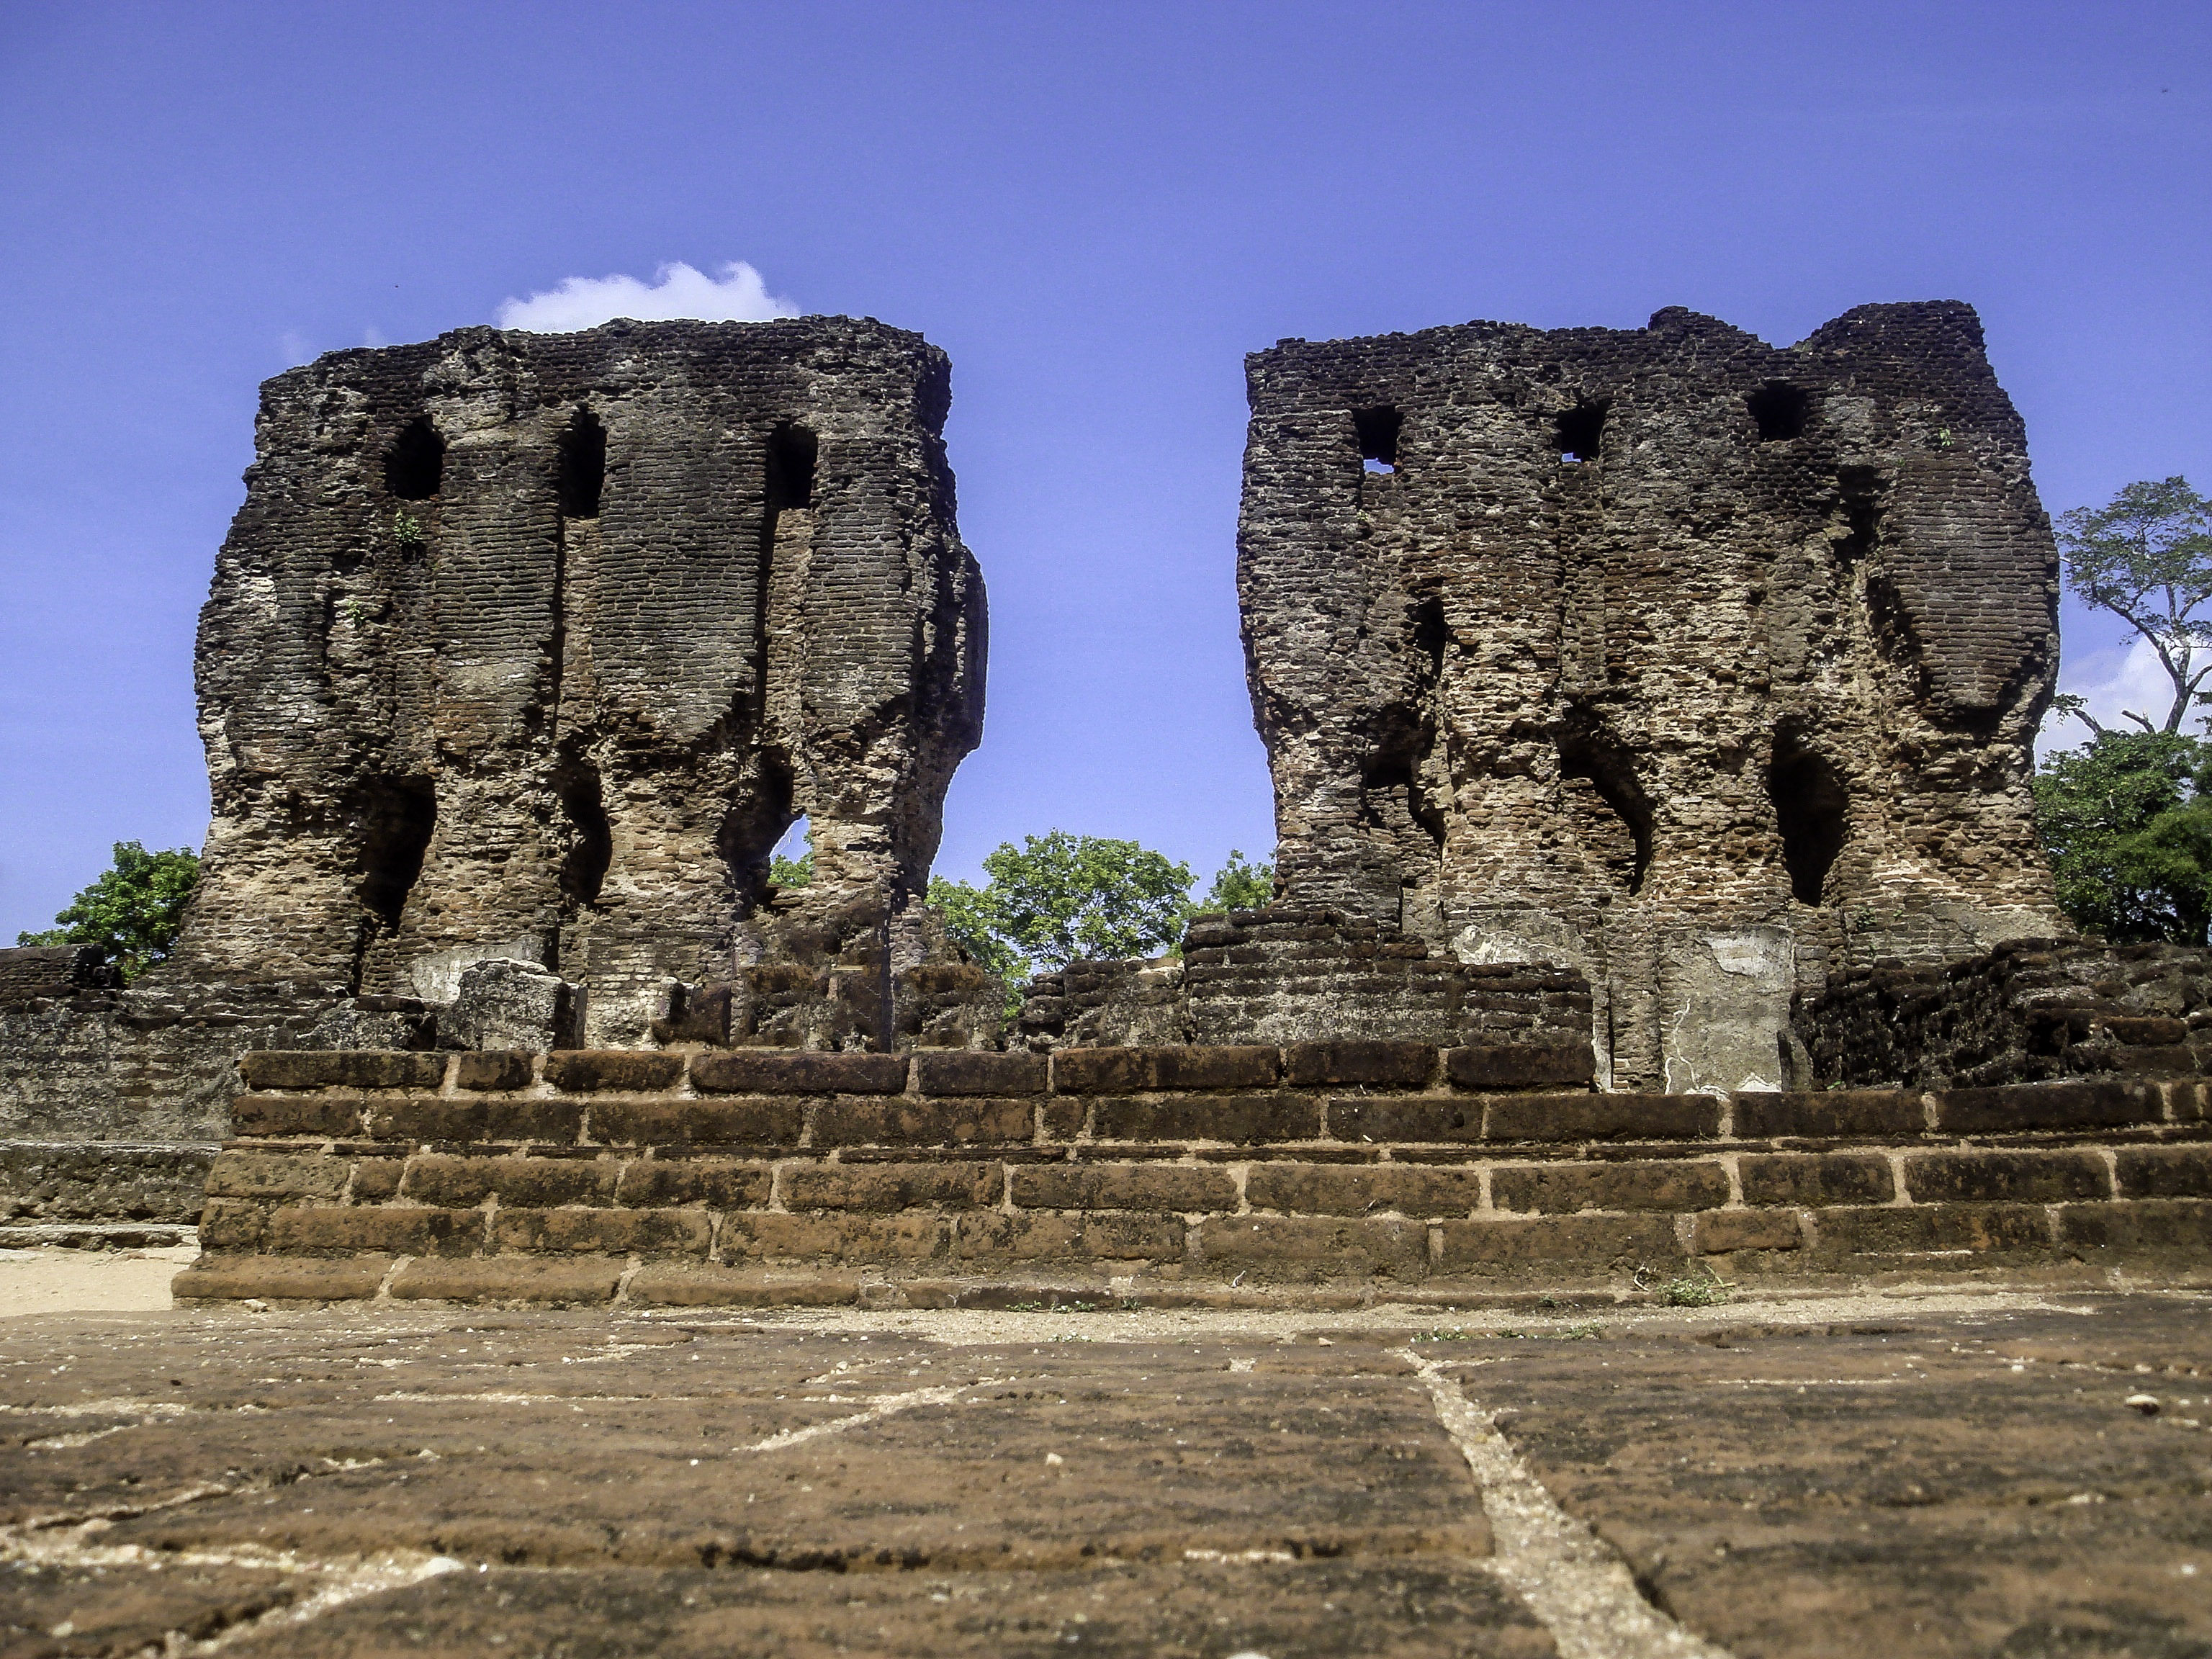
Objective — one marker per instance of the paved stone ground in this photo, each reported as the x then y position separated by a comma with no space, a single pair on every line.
1949,1472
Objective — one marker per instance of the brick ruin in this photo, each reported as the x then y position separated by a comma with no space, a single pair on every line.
1706,668
1649,714
521,657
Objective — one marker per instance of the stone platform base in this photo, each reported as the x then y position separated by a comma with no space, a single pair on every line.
100,1195
1336,1173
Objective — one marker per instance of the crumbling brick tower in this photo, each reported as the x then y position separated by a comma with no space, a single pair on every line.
532,647
1704,666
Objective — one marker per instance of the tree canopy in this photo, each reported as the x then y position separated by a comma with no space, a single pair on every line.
132,913
2145,556
2127,822
1059,898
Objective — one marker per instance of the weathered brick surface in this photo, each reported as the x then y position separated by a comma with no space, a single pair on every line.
1306,1247
903,1239
2040,1177
1174,1188
1600,671
1407,1118
272,1175
602,1231
521,1182
1237,1118
2164,1171
2148,1225
280,1115
1521,1065
1603,1118
1721,1232
1353,1060
1564,1188
1325,1189
865,1120
1122,1071
714,1182
1932,1230
962,1186
585,1071
1813,1181
770,1071
341,1069
2049,1106
1852,1113
975,1074
493,1068
477,1118
710,1284
281,1278
1558,1244
384,1231
729,1122
985,1238
510,1278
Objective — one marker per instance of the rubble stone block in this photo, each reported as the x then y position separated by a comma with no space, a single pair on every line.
229,1224
500,1003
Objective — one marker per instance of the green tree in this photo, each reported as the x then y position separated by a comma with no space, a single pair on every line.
2127,821
2145,556
132,913
1240,884
1059,897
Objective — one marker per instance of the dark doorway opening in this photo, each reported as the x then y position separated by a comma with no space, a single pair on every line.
591,838
414,465
397,816
583,465
1377,430
1781,410
1580,431
792,451
1811,809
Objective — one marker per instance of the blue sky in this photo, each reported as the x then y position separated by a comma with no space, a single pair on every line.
1097,210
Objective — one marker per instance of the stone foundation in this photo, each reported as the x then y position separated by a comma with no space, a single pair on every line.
1347,1171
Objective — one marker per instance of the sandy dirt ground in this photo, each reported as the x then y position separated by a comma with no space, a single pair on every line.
54,1281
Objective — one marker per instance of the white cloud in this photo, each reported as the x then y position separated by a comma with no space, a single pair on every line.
736,293
2109,681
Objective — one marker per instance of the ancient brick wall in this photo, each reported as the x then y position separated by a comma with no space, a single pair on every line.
2030,1010
1706,667
532,646
1290,973
1358,1171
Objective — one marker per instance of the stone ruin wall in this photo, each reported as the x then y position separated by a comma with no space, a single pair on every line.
521,657
1707,668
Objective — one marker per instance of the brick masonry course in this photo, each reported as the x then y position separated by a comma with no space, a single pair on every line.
1360,1188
